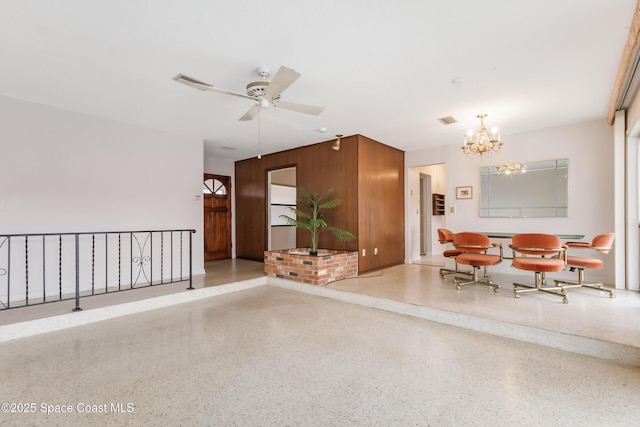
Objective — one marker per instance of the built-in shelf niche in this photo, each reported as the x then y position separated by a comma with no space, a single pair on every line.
438,204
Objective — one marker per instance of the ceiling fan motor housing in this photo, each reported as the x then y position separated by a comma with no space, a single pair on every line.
257,89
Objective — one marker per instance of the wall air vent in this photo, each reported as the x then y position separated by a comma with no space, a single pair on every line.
449,120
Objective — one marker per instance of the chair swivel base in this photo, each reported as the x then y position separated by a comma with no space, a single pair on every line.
566,284
445,271
459,281
539,288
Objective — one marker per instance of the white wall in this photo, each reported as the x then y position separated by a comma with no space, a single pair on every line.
589,148
62,171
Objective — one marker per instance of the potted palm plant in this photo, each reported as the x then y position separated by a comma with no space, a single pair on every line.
310,216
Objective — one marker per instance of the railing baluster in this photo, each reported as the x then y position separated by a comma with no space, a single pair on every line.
44,268
9,272
4,271
106,263
172,233
26,269
190,261
161,257
77,307
150,259
131,260
93,264
119,260
60,266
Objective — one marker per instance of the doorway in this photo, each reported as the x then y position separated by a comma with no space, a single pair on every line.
424,182
281,198
425,214
217,217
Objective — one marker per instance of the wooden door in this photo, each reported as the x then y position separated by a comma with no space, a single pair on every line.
217,217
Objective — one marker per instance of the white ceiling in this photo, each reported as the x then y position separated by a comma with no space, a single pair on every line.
380,68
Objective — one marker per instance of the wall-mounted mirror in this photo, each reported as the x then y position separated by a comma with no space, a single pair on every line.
541,191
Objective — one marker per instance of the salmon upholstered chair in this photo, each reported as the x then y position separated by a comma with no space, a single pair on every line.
444,237
540,253
601,243
474,247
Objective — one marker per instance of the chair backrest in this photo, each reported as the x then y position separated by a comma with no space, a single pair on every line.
445,236
471,242
603,242
537,242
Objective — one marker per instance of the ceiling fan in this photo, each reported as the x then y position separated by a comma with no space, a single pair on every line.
265,92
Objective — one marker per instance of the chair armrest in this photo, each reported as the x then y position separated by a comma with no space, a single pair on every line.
581,245
463,246
534,250
561,252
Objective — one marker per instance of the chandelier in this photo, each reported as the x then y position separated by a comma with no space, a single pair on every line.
481,143
510,168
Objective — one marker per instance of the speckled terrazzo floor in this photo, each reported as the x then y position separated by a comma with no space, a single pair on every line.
235,341
269,356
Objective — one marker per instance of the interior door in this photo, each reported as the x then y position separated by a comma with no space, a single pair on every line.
217,217
425,214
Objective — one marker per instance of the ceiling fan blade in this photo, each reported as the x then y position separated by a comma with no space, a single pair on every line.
283,78
190,81
251,114
228,92
300,108
198,84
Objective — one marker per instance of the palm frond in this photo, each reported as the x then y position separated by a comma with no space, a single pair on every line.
341,234
299,213
330,204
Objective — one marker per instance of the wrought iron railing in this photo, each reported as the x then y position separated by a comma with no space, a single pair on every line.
49,267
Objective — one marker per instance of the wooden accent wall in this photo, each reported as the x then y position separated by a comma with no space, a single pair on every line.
381,204
319,168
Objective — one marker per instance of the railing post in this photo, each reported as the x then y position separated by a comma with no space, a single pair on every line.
8,272
191,259
77,274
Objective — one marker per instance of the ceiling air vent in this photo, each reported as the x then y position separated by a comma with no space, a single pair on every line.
449,120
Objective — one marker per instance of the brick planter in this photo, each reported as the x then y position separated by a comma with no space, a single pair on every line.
296,264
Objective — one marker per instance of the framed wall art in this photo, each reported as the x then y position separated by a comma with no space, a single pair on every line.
464,192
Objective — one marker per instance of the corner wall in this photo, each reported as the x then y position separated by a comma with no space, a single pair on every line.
62,171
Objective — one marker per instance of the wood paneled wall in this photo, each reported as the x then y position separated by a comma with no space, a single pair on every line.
381,204
363,168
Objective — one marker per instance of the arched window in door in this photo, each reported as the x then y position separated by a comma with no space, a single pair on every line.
214,186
